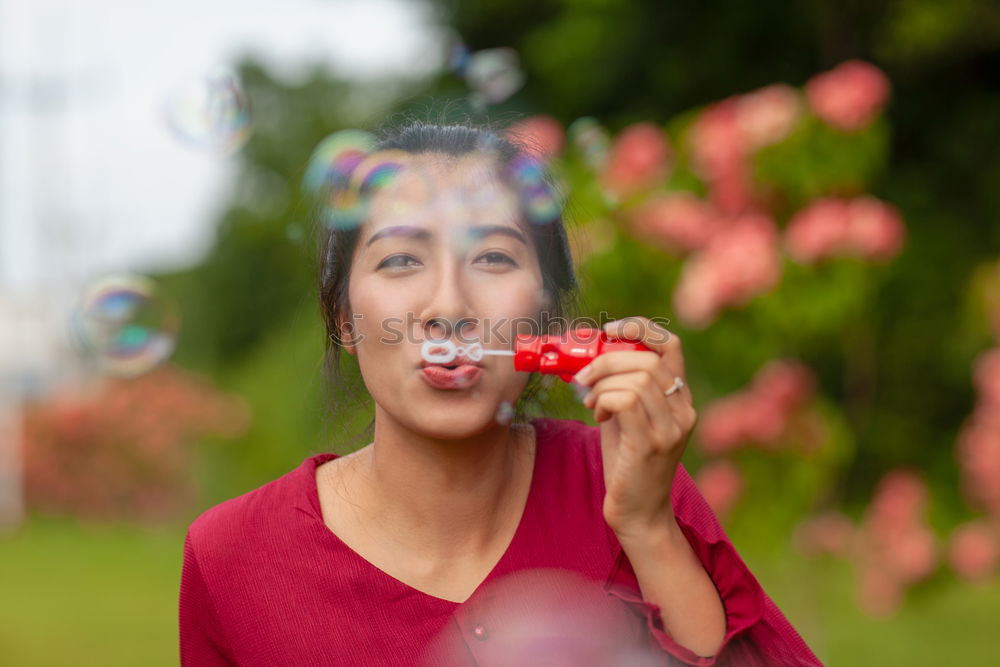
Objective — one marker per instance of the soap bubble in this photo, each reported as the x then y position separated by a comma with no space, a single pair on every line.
546,616
295,233
335,157
212,112
344,174
492,74
125,324
541,205
592,140
505,412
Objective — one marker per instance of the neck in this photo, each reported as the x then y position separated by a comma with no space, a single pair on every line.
445,496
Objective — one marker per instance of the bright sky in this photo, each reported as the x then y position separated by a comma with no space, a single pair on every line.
91,181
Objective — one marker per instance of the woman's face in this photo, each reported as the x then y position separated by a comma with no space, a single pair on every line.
443,253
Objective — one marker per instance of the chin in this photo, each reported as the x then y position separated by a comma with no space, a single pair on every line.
447,423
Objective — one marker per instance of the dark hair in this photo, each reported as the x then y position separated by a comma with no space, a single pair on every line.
337,246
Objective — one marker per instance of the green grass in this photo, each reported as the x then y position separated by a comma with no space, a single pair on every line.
82,595
85,595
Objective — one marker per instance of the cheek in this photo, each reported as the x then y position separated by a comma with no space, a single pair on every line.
373,305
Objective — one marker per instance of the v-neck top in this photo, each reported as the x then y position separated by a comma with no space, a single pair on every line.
499,568
265,582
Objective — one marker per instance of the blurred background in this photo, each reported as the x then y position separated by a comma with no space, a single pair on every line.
810,192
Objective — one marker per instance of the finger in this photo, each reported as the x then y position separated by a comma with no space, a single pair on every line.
616,402
620,361
656,337
653,335
667,418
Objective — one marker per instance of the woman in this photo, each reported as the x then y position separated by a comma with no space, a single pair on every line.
459,537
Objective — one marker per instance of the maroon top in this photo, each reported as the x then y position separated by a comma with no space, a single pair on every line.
265,582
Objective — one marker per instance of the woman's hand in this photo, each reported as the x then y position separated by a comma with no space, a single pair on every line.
643,431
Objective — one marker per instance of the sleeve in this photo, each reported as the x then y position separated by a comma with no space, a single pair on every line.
202,639
757,633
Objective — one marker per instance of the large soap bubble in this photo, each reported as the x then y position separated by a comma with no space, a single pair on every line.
212,112
126,324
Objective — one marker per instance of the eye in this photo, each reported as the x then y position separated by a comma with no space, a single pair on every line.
497,258
399,261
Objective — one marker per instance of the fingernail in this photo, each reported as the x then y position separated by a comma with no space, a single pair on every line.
582,375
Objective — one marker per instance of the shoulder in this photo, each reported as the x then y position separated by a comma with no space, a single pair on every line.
246,518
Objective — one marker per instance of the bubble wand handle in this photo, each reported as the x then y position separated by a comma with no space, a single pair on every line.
565,354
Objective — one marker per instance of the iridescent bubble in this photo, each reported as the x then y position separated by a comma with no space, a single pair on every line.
345,173
335,158
493,74
458,57
126,324
592,140
294,233
377,171
541,205
212,113
505,412
547,616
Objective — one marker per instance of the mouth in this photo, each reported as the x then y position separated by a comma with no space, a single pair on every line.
459,374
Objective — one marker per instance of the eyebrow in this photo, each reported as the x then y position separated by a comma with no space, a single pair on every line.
422,234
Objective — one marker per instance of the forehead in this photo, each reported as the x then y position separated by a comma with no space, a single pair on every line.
435,189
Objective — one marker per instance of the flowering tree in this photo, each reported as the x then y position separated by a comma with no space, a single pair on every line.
750,223
122,449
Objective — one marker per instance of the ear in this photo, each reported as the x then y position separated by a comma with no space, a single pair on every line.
346,334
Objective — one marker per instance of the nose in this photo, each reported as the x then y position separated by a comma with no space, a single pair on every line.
447,315
443,328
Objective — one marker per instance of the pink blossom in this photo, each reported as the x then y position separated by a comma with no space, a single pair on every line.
760,413
542,136
849,96
900,496
894,546
722,424
722,484
764,421
679,220
746,255
718,144
986,376
913,552
730,190
894,536
740,261
720,155
766,116
974,550
875,229
638,160
820,230
697,295
125,449
978,454
785,382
